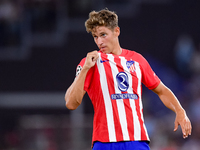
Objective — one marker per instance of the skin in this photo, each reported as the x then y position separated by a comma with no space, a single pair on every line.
171,102
107,42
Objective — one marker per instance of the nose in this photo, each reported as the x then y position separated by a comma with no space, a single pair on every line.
99,41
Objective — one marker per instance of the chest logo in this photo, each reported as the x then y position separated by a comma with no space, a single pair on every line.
130,65
122,81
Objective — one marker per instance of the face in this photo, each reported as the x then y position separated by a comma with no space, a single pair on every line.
106,39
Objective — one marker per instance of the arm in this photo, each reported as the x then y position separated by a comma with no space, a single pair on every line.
75,92
171,102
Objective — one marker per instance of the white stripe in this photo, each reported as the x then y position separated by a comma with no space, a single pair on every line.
107,101
139,75
120,102
137,133
136,123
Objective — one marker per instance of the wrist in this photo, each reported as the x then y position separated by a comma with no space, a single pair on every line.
179,110
86,68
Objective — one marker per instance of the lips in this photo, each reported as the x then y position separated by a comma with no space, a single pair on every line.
102,48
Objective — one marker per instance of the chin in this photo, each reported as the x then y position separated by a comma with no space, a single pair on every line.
103,51
106,52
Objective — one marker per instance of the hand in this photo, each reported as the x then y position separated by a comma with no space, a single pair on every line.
91,59
184,122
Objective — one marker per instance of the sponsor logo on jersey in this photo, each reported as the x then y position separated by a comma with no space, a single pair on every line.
123,85
124,96
130,65
122,81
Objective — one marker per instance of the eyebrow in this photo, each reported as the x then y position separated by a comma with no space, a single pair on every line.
103,32
93,35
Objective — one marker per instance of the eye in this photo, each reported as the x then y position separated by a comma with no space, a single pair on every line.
103,35
94,36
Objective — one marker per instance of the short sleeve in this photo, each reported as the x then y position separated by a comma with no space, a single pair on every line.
80,66
88,76
149,78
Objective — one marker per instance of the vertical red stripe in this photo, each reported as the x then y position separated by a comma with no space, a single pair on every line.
128,110
111,88
143,133
137,105
100,130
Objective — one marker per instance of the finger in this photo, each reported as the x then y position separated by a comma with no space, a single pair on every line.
175,126
186,129
94,55
94,58
91,59
183,127
189,128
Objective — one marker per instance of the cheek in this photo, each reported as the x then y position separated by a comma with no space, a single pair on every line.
95,41
108,40
112,42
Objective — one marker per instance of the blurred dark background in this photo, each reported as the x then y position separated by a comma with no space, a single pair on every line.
41,43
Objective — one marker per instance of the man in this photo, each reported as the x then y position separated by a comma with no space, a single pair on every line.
112,77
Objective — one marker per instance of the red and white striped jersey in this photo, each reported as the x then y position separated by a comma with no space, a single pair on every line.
114,86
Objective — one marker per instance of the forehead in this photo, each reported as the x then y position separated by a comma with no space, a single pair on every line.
100,29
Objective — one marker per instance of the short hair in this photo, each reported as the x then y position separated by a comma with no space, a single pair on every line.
103,17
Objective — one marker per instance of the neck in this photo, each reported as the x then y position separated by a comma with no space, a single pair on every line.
117,51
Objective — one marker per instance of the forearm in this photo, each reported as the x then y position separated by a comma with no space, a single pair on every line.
171,101
75,92
168,98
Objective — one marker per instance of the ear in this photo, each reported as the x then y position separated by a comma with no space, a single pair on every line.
117,31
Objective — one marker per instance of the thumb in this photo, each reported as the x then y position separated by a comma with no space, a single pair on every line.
175,126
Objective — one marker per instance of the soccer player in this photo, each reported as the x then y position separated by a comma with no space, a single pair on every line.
113,78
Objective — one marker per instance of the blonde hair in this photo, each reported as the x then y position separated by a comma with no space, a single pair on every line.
101,18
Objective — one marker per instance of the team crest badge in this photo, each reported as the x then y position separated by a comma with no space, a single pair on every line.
130,65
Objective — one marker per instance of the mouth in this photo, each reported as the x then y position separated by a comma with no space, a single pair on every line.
102,49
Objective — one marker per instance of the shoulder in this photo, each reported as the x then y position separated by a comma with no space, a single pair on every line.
129,52
133,54
80,66
82,62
